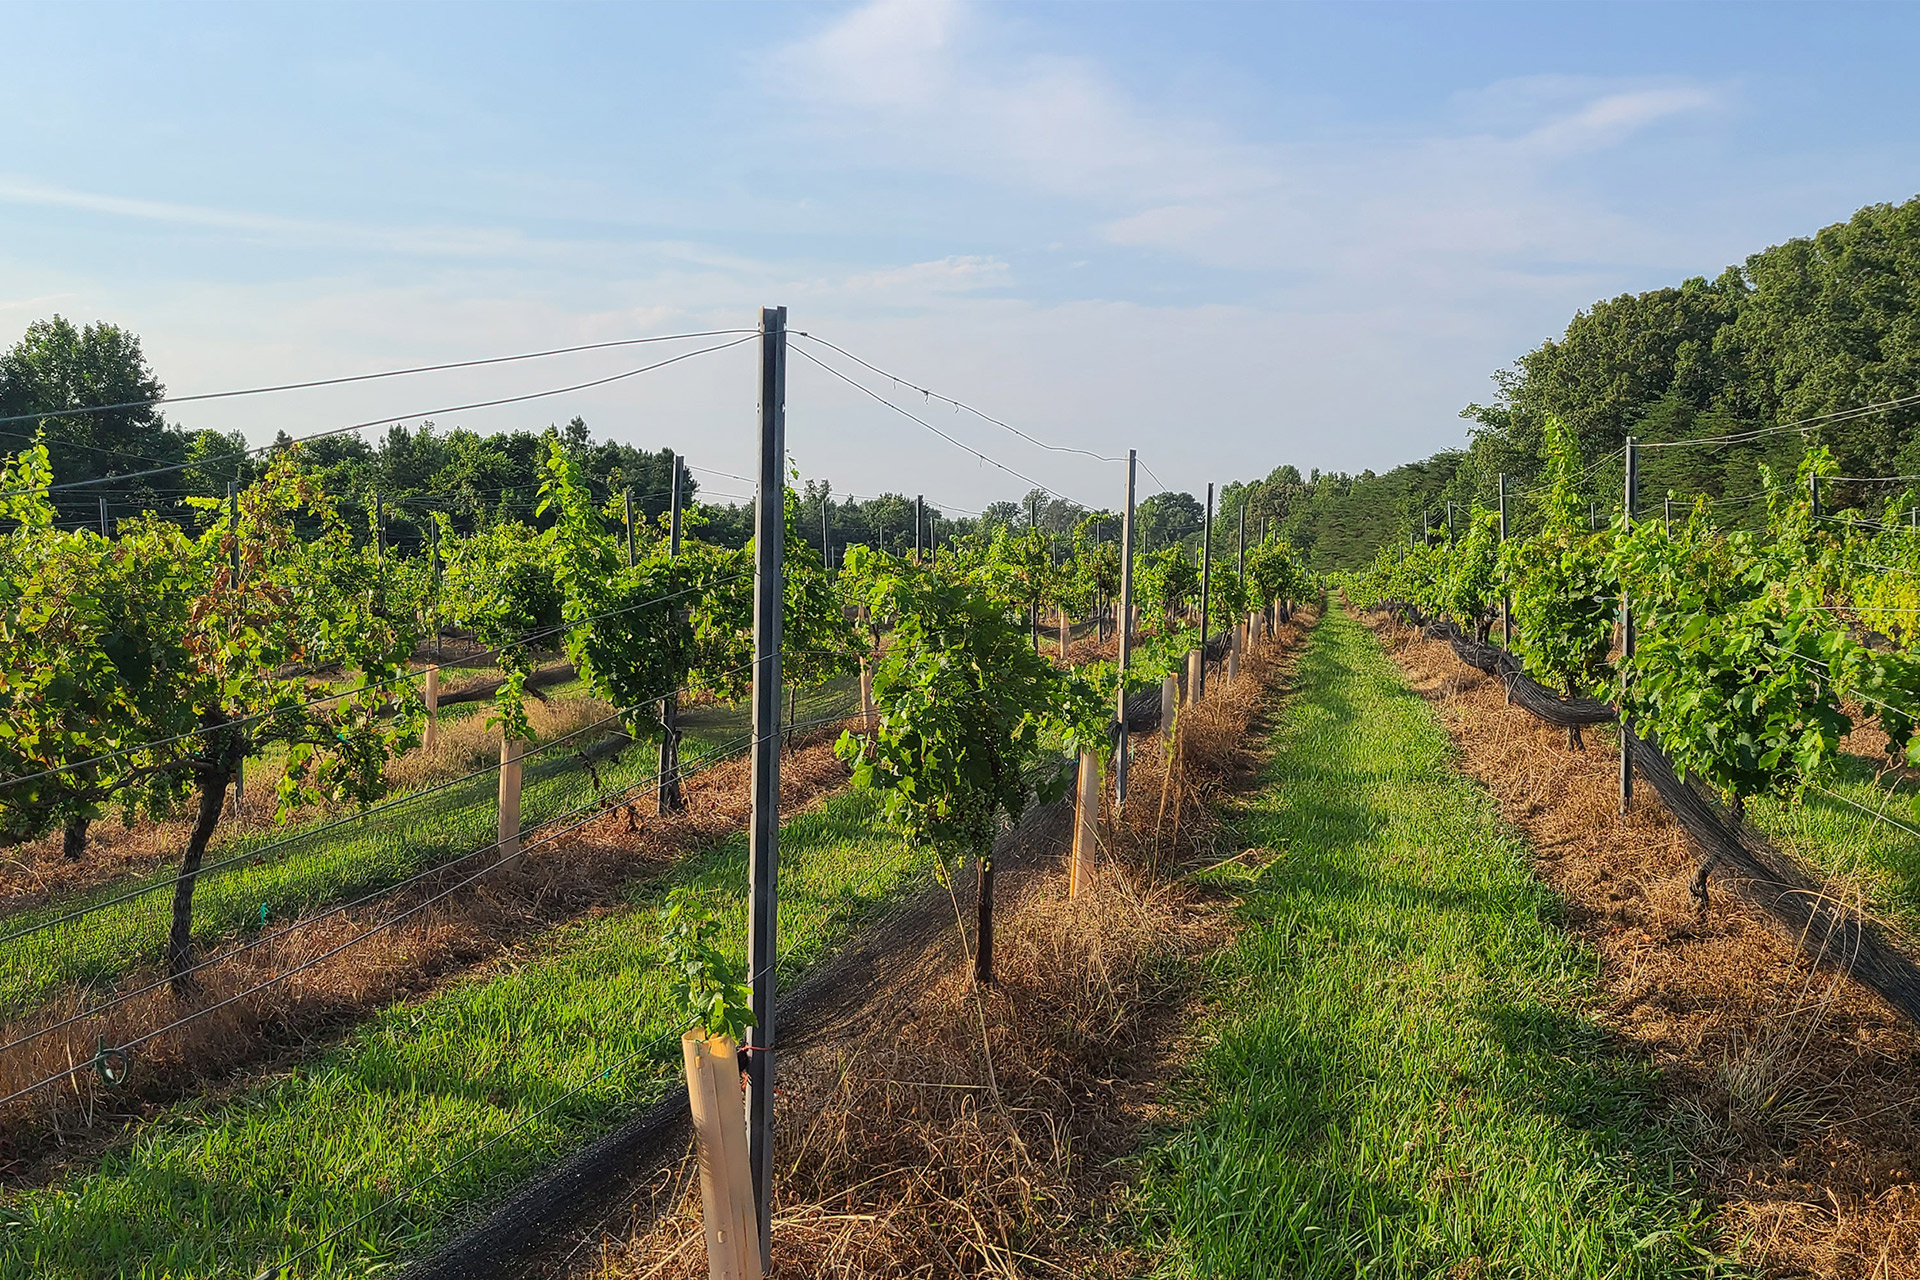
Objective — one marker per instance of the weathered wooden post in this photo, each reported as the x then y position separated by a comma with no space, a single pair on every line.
726,1180
511,749
1086,828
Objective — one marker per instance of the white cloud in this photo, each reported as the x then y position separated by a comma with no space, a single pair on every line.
960,273
429,241
1378,277
1611,119
891,53
936,87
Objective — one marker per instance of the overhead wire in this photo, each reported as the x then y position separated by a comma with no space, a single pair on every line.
956,443
154,401
600,807
1801,424
1874,813
393,419
699,765
279,1266
957,404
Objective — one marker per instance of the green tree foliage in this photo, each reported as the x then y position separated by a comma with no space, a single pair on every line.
193,667
56,365
1166,582
966,709
1740,666
1167,519
1563,595
1809,327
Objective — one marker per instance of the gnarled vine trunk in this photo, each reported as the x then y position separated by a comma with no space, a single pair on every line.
670,798
983,931
216,773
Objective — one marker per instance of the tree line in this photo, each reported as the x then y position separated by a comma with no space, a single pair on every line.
1815,326
478,481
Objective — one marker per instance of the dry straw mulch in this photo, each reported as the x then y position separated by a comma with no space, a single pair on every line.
951,1132
575,876
1797,1092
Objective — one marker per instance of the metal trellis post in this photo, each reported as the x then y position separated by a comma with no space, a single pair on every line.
667,793
1506,598
1206,583
1626,635
763,848
1126,635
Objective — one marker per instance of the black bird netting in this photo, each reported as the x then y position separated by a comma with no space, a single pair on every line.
1823,927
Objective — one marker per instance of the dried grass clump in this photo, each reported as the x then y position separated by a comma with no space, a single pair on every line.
950,1132
1797,1093
468,742
960,1134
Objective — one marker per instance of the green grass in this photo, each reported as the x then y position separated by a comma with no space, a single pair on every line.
1403,1077
1837,838
311,867
315,864
226,1188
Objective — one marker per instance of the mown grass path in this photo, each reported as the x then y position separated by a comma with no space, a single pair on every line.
305,867
433,1109
1402,1079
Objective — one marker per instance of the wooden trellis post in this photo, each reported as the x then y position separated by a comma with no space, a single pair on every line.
432,732
511,749
726,1181
1086,829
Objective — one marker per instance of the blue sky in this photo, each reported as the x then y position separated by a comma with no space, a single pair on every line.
1229,235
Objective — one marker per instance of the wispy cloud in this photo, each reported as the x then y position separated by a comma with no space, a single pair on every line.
463,242
936,85
956,274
